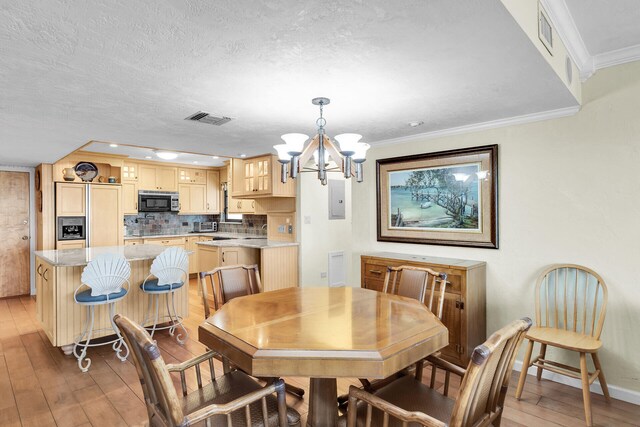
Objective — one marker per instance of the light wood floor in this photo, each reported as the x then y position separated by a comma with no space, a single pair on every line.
39,386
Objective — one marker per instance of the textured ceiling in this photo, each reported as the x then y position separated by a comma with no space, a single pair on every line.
131,71
606,25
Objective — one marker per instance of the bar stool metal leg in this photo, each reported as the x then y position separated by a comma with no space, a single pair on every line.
83,361
119,343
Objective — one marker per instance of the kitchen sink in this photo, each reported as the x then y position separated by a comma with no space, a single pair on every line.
221,238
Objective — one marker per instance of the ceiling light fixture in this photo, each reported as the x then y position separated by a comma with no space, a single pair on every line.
215,157
415,124
113,145
166,155
147,157
243,155
293,155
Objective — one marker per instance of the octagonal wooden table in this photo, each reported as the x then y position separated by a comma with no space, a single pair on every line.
323,333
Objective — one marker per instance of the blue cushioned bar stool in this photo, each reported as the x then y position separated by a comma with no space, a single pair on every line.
103,283
169,271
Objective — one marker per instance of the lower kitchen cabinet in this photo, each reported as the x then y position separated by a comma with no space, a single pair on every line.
464,312
210,257
45,297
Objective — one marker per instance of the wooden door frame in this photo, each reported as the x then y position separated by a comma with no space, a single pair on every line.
32,219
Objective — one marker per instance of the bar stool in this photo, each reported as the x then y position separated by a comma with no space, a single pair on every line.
170,272
103,281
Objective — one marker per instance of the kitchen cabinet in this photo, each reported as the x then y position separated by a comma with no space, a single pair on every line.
192,176
260,177
213,192
464,311
129,172
45,297
105,223
130,197
210,257
243,206
193,257
71,199
180,242
70,244
132,242
193,199
157,178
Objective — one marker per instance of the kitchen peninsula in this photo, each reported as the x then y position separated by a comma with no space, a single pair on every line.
58,276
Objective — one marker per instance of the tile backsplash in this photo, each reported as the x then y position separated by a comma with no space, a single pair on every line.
170,223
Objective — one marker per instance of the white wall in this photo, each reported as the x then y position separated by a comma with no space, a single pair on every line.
322,235
569,191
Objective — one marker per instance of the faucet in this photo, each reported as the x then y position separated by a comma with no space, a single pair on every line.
264,226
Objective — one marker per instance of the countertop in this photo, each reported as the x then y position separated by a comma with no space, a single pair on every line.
80,257
206,234
247,243
450,262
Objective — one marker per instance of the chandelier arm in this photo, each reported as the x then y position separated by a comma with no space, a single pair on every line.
307,153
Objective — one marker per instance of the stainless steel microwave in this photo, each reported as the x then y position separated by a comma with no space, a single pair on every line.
158,201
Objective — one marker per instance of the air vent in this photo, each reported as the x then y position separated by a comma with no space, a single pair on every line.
207,118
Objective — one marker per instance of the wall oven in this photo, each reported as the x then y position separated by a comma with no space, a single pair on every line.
158,201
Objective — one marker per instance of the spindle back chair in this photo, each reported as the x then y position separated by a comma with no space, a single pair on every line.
480,401
217,403
227,283
571,304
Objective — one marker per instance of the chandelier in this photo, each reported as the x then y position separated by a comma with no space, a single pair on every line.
348,156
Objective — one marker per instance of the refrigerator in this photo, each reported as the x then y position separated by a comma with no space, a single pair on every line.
88,215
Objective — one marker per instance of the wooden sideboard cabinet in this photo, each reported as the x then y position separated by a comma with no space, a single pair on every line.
464,312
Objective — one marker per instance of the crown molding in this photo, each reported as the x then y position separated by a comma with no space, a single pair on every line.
617,57
566,28
588,64
477,127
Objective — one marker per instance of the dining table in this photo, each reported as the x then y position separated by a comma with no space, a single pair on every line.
323,333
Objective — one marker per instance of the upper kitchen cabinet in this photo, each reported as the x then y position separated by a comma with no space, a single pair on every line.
130,198
193,199
157,178
192,176
129,172
260,177
213,192
71,199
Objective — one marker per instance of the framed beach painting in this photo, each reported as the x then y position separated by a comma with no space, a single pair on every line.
443,198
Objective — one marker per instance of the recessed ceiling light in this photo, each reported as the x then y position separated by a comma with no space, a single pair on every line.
166,155
215,157
113,145
195,161
415,124
147,157
243,155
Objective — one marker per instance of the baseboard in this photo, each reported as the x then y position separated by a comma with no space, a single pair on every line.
616,392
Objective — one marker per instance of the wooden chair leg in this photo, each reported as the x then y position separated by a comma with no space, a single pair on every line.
542,354
586,393
603,382
432,381
525,368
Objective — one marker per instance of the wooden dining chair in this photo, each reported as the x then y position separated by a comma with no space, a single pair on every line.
480,401
233,399
227,283
571,303
416,283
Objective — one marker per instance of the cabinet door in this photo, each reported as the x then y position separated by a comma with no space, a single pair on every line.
199,176
48,301
452,319
71,199
262,174
184,194
147,177
213,192
105,221
248,181
130,198
229,256
236,177
185,175
207,258
130,172
70,244
167,178
39,290
198,196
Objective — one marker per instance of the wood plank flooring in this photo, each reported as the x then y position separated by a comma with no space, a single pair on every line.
39,386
